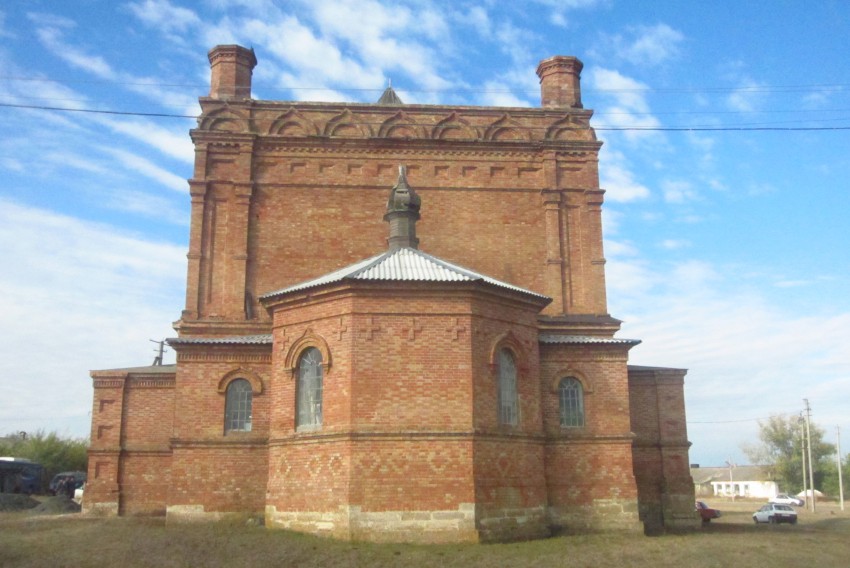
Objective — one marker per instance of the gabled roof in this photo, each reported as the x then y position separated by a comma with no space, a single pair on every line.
403,265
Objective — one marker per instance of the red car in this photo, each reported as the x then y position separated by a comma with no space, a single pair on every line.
706,513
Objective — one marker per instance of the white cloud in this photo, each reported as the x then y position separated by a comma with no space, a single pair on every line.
559,8
174,143
516,43
629,109
760,188
748,96
614,248
385,36
678,191
12,164
648,45
51,38
499,94
44,19
748,356
3,31
145,204
148,169
81,295
617,179
69,158
675,244
611,220
314,61
164,16
792,283
478,18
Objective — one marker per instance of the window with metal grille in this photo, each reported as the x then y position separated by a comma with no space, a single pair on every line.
237,406
571,403
308,393
507,389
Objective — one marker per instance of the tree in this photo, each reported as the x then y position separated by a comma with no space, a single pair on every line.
52,451
781,450
830,482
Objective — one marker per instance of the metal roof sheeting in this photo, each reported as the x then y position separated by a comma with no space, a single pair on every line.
584,340
403,265
261,339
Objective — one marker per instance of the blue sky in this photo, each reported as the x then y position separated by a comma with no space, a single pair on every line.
726,166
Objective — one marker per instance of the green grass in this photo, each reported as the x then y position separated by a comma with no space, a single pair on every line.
818,540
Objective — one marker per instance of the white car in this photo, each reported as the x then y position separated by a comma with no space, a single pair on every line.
784,499
775,513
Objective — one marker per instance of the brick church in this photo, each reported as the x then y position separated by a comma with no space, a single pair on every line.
396,329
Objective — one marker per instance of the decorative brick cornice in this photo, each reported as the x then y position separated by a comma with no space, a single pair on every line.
318,437
578,437
115,383
227,356
142,382
232,442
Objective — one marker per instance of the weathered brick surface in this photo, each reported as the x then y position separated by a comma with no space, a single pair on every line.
662,468
410,447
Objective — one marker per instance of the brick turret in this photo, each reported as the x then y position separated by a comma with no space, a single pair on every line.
560,84
230,71
402,213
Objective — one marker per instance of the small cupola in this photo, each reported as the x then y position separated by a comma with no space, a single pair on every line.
390,97
402,214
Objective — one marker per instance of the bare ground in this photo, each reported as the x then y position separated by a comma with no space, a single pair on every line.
26,540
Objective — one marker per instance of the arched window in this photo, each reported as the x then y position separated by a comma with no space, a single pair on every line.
507,389
308,391
237,406
571,403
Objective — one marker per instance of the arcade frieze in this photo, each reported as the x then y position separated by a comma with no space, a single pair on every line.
405,123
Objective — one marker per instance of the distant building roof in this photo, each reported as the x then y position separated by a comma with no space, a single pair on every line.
150,369
702,475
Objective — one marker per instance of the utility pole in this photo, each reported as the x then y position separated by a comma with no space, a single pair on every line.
809,438
840,481
161,347
801,421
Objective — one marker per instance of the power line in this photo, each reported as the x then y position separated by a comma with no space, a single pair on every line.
95,111
597,128
830,87
725,421
596,113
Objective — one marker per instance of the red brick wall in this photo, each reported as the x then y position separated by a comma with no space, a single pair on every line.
270,211
410,474
199,406
589,469
406,361
308,473
602,370
145,482
148,416
661,445
227,477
